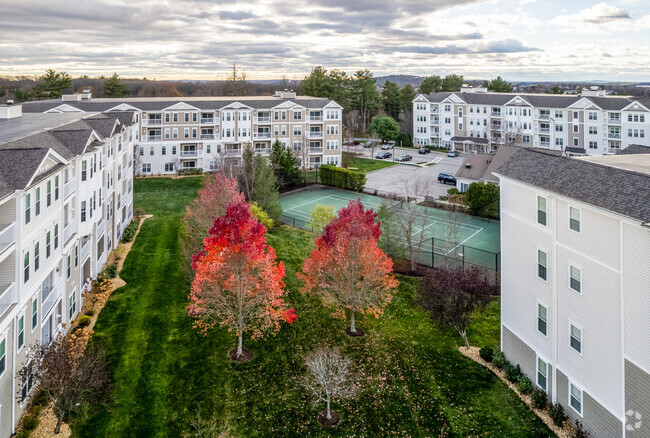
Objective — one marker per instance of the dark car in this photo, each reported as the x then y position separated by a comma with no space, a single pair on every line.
453,154
424,151
382,155
369,144
403,158
446,178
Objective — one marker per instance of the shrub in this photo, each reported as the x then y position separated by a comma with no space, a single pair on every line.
453,191
513,372
110,271
487,354
191,171
261,215
342,178
30,422
84,320
539,399
139,212
579,431
129,232
525,386
499,359
89,312
557,414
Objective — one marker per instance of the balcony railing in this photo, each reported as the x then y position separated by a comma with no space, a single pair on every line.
8,297
435,109
50,295
261,135
543,116
85,250
102,261
69,231
207,136
262,119
263,150
612,150
7,237
207,120
314,134
69,188
151,137
613,121
315,150
188,153
543,144
232,152
614,135
496,127
152,122
495,114
543,130
435,122
315,118
101,228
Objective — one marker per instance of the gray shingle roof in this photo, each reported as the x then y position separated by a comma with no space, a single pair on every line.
476,140
584,181
635,149
478,164
17,167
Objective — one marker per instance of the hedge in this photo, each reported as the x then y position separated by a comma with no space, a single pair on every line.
191,171
342,178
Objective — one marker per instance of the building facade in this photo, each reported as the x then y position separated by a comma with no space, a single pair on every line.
474,119
66,195
575,284
208,132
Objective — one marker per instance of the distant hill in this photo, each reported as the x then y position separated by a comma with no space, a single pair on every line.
400,80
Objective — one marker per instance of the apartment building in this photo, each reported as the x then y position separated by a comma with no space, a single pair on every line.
575,284
66,195
207,132
476,120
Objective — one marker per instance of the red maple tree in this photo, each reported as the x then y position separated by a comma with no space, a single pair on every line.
347,269
238,283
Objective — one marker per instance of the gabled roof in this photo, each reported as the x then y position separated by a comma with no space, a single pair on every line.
474,166
583,181
635,149
17,168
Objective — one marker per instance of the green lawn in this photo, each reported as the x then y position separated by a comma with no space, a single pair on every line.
414,379
366,165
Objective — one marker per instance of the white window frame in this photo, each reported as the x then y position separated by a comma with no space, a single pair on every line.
545,224
537,373
582,398
545,280
19,346
579,268
539,303
579,230
3,338
582,337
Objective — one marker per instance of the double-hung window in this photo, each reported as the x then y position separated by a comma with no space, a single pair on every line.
56,236
83,211
576,338
26,268
68,269
37,258
27,208
37,203
574,219
542,263
21,332
56,188
72,307
34,313
575,279
542,319
575,395
542,374
541,210
3,356
48,196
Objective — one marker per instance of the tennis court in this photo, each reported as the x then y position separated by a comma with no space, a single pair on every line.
446,236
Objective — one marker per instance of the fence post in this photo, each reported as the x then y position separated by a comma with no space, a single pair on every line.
463,249
433,262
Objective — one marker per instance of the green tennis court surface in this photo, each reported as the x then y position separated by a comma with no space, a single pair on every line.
446,236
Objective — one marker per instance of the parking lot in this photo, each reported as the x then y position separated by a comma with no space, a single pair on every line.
394,179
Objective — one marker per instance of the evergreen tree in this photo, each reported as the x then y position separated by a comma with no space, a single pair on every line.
315,84
285,166
266,193
113,87
365,97
407,94
52,84
498,85
430,84
391,99
384,127
452,83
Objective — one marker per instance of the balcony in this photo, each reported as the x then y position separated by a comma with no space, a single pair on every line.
613,121
543,144
315,118
262,119
496,127
543,116
315,150
614,135
495,114
101,228
207,136
314,134
85,251
151,137
7,237
435,109
102,261
69,231
50,295
207,120
261,135
543,130
189,153
152,122
262,151
435,122
69,188
8,297
232,152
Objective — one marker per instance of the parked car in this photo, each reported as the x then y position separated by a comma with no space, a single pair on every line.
445,178
385,147
369,144
424,151
352,142
453,154
382,155
406,157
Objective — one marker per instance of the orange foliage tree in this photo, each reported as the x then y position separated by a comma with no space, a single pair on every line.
238,283
347,269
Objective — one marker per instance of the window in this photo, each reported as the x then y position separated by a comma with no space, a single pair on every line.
576,339
167,133
169,167
542,373
173,150
56,188
207,149
83,211
141,151
559,142
541,210
186,132
575,279
175,117
541,264
167,117
151,150
576,128
56,236
3,356
593,145
542,319
297,115
146,167
164,150
21,332
37,258
593,130
49,194
34,313
574,219
575,395
84,170
26,268
47,245
593,115
68,270
72,306
27,208
76,256
37,203
575,142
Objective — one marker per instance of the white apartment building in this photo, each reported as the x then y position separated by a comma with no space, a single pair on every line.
207,132
66,195
575,284
474,119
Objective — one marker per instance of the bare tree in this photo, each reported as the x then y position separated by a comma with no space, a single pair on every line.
329,377
411,218
176,163
137,160
69,376
351,121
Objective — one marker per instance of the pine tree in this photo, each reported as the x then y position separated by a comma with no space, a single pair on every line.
113,87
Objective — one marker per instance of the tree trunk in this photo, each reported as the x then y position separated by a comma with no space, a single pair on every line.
353,329
463,333
57,429
239,343
329,412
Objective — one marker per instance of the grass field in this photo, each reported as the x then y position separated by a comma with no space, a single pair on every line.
366,165
165,374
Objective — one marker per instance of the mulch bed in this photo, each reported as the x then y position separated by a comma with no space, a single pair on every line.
323,421
356,334
246,355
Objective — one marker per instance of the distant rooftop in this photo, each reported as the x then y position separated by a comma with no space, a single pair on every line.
33,123
632,162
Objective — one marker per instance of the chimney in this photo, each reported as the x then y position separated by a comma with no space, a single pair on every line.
10,111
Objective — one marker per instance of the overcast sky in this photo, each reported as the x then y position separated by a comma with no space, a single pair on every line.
201,39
